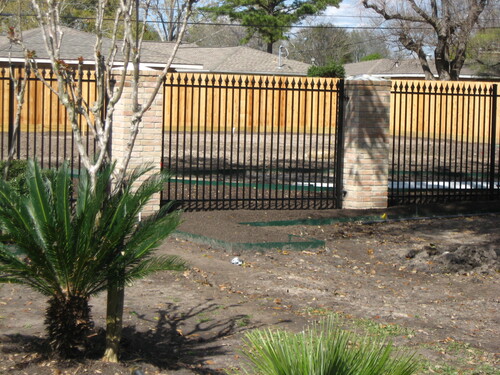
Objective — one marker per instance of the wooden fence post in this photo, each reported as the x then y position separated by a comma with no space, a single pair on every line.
366,144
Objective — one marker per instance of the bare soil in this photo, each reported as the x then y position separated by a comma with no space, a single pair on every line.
431,284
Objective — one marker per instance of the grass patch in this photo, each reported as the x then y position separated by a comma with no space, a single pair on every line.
382,329
465,359
368,326
243,321
324,349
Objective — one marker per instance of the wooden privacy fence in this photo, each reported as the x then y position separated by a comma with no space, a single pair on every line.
42,110
445,142
45,131
454,110
260,103
279,142
251,141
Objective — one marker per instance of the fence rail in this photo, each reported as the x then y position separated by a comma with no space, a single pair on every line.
445,142
251,141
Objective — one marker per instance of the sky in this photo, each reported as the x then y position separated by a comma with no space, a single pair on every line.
347,15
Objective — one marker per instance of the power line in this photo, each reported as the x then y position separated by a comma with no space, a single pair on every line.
428,27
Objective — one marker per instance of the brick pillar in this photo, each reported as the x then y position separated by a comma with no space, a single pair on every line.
148,144
366,142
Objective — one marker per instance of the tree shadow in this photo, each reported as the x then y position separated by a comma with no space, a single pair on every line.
174,343
34,349
180,339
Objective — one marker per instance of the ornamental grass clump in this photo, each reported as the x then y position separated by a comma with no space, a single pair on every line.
323,349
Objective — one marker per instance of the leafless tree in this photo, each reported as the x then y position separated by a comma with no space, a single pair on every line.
223,34
99,114
165,17
124,45
442,25
323,44
18,83
327,43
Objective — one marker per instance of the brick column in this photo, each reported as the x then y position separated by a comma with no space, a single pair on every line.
366,142
148,144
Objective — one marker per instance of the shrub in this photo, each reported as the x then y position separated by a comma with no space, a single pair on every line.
323,349
17,174
371,57
333,69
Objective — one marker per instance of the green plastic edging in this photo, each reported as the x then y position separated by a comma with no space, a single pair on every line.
326,221
362,219
226,245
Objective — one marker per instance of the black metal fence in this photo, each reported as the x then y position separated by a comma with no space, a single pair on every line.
44,132
262,142
445,144
251,142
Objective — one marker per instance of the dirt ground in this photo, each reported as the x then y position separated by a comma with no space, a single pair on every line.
431,284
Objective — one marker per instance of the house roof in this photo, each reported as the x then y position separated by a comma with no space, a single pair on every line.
189,57
397,68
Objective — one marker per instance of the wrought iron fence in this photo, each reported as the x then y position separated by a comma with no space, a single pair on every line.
253,142
44,132
445,144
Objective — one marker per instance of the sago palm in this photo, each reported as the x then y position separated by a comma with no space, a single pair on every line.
72,251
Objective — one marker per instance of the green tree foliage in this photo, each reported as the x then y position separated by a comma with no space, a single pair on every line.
10,11
270,19
333,70
484,52
372,56
69,252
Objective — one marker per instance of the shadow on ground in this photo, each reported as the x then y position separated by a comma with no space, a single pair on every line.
167,346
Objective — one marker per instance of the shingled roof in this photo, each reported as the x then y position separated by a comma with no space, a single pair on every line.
396,68
190,57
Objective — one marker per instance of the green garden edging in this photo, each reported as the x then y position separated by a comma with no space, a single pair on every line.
325,221
227,245
361,219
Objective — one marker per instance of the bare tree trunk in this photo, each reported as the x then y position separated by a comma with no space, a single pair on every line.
99,115
270,47
116,293
114,322
450,23
20,89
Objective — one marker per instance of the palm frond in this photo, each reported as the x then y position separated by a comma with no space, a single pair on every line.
148,266
150,234
69,252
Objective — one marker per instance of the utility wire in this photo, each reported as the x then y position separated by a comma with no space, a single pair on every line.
251,25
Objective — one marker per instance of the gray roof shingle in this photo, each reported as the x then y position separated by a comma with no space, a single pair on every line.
393,68
239,59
